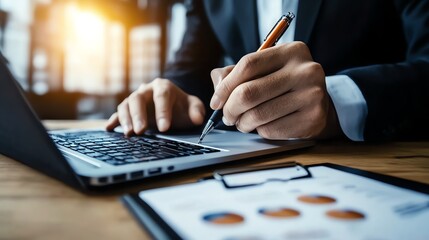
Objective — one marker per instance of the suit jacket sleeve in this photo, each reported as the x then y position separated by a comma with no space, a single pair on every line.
397,94
199,53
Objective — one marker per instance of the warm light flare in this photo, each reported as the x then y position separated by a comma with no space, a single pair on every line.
85,26
85,50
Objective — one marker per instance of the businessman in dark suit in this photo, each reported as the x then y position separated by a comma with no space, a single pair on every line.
358,69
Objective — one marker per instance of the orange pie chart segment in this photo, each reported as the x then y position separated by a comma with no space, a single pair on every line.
279,212
223,218
316,199
345,214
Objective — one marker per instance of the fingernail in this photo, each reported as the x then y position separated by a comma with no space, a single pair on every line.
162,124
215,102
126,127
138,126
226,122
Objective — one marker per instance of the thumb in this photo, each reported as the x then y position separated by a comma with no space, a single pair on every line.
196,110
218,74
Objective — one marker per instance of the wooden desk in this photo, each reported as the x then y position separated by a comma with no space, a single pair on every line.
34,206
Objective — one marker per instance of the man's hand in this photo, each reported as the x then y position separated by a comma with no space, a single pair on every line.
279,91
157,102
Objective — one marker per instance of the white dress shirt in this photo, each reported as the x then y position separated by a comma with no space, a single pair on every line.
348,100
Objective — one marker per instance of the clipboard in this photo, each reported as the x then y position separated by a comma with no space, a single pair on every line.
160,227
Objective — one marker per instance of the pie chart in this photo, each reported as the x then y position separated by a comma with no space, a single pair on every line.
279,212
223,218
345,214
316,199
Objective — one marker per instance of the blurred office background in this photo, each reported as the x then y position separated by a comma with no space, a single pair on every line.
77,59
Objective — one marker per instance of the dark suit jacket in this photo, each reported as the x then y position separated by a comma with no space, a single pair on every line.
383,45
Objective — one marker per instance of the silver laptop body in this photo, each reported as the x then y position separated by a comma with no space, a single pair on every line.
228,146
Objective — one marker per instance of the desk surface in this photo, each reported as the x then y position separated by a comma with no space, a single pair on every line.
34,206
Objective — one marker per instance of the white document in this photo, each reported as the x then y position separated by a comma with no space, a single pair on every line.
331,205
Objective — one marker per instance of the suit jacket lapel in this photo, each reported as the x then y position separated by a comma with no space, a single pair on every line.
246,17
307,15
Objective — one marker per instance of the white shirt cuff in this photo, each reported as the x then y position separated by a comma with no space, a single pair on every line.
350,105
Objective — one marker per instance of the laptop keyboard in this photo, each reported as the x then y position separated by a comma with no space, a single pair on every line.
116,149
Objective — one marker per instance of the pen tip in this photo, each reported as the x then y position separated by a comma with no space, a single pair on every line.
206,130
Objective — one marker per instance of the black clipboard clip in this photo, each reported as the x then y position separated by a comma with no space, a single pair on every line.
253,176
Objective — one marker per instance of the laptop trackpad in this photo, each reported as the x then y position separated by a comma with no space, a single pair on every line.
226,140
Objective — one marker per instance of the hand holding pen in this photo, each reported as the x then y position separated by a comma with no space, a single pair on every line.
273,36
279,92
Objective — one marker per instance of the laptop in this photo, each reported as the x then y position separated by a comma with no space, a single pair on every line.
94,159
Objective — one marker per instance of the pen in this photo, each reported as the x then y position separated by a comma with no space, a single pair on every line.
273,36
